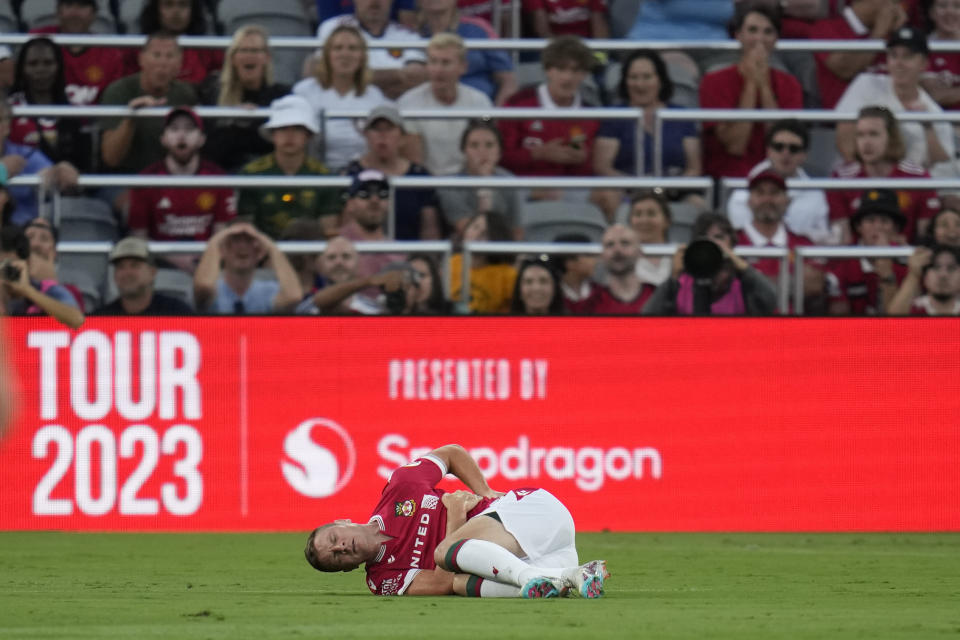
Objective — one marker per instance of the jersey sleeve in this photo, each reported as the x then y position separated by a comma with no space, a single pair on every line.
390,582
427,470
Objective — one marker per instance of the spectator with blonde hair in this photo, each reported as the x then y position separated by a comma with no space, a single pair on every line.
342,80
245,81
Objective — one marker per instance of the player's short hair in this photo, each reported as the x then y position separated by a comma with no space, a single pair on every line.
310,551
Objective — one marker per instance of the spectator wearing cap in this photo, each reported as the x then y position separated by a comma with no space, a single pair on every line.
291,125
733,148
394,70
42,236
766,228
417,212
87,70
927,143
19,159
535,147
165,214
341,80
807,211
866,286
436,143
134,272
860,20
224,281
26,296
937,272
129,145
364,216
880,153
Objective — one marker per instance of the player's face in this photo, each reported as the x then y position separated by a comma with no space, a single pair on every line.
445,66
536,290
345,54
40,68
563,82
768,202
132,276
876,230
942,279
786,152
339,262
383,139
947,229
250,60
160,63
182,139
620,250
481,152
643,83
946,15
75,17
905,65
175,15
344,546
757,31
649,221
871,139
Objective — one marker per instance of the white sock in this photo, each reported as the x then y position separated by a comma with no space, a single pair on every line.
482,588
493,562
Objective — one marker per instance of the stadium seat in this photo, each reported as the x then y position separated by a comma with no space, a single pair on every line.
128,14
279,18
543,221
43,13
8,18
175,283
822,155
87,219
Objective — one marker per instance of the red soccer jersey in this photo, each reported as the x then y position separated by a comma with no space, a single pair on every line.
181,214
945,67
831,85
916,204
721,89
28,131
519,136
603,302
854,280
411,513
483,9
89,71
568,17
770,267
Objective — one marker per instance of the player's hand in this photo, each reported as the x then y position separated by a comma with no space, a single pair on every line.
490,493
464,500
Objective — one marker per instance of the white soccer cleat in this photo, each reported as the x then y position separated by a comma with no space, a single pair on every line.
588,578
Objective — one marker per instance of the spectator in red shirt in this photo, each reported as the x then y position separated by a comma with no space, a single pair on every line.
937,271
87,70
584,18
866,286
733,148
181,18
879,152
181,214
861,20
624,293
553,147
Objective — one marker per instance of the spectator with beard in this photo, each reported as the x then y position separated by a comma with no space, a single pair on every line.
344,291
224,281
134,271
165,214
937,271
623,293
364,214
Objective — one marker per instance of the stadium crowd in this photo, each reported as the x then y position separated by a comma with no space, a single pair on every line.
243,271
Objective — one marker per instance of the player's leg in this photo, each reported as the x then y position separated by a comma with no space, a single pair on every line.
472,586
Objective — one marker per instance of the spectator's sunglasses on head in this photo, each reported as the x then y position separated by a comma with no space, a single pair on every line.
780,147
370,189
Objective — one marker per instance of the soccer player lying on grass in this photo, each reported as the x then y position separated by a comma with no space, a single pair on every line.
422,540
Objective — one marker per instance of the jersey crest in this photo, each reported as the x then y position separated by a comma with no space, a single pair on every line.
406,508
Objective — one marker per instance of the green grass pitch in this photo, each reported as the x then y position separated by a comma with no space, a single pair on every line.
196,586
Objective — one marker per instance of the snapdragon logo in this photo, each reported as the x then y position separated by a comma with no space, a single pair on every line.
321,458
588,467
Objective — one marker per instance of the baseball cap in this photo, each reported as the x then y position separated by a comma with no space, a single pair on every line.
290,111
882,202
131,247
367,179
911,38
768,176
384,112
187,111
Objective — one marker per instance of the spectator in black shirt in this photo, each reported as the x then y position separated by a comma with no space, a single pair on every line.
133,273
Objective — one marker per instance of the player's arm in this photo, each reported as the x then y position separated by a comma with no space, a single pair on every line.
462,465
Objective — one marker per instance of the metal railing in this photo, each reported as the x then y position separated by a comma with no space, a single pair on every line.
727,185
802,253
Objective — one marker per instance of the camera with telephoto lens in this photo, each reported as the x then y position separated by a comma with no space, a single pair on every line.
703,259
396,301
9,271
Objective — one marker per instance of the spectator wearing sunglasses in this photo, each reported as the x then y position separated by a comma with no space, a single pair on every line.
367,203
807,213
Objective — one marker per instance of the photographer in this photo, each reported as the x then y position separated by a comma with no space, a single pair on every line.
338,266
25,296
710,279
